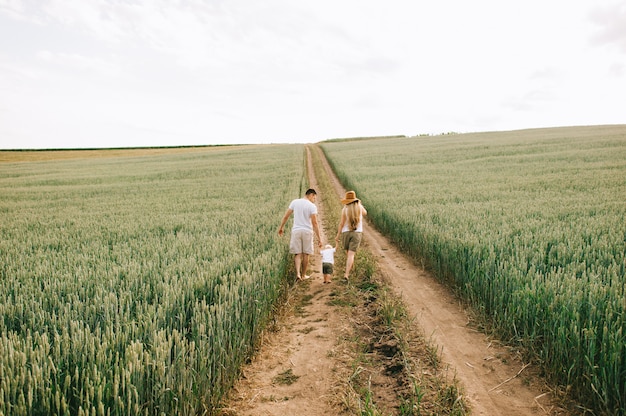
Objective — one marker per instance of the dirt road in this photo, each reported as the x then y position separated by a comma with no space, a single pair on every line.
493,378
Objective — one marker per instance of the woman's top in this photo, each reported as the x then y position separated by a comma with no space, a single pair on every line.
359,227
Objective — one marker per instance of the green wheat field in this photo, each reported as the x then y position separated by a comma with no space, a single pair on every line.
528,226
136,283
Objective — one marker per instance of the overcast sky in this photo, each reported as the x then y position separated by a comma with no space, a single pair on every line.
117,73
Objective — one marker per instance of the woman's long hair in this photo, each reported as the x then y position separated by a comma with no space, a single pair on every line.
353,210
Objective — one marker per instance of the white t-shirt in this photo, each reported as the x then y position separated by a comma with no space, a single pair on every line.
328,255
302,210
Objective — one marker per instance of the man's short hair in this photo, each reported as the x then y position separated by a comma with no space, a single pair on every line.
310,191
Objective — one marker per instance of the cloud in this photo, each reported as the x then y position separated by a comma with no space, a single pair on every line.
610,21
548,73
186,30
530,100
617,70
81,64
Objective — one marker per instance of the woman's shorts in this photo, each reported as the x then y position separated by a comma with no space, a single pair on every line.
301,242
327,268
351,240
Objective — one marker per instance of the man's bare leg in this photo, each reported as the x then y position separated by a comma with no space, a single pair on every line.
298,262
305,264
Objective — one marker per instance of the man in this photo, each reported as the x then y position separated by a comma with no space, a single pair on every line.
304,213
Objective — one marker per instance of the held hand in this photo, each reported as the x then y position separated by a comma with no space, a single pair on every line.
280,232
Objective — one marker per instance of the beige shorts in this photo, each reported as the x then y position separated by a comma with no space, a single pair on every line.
351,240
301,242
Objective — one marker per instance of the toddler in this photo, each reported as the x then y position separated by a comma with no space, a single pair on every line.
328,259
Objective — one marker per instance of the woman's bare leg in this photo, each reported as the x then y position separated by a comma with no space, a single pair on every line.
349,263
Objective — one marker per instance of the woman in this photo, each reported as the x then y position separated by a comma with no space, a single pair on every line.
351,227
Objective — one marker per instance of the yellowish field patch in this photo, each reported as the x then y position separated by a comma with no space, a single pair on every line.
43,155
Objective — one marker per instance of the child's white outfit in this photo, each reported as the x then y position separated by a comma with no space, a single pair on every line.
328,255
328,259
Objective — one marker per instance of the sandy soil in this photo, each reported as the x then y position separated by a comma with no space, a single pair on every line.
305,351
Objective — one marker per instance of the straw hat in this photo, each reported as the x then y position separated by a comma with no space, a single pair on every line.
350,198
